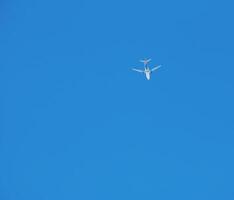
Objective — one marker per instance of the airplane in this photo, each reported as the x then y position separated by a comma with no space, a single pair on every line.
146,70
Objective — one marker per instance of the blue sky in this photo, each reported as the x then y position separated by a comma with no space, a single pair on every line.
77,123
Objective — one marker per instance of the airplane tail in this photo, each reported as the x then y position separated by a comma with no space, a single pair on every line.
145,61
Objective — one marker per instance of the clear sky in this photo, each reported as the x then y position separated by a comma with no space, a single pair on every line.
78,124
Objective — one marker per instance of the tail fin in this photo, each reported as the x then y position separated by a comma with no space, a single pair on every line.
145,61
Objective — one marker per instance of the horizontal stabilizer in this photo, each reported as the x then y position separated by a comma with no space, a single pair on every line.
145,61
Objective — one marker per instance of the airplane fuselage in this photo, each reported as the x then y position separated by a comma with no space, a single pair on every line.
147,73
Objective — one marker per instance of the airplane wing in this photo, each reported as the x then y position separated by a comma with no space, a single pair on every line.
155,68
137,70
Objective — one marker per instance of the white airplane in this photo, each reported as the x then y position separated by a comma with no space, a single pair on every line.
146,70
